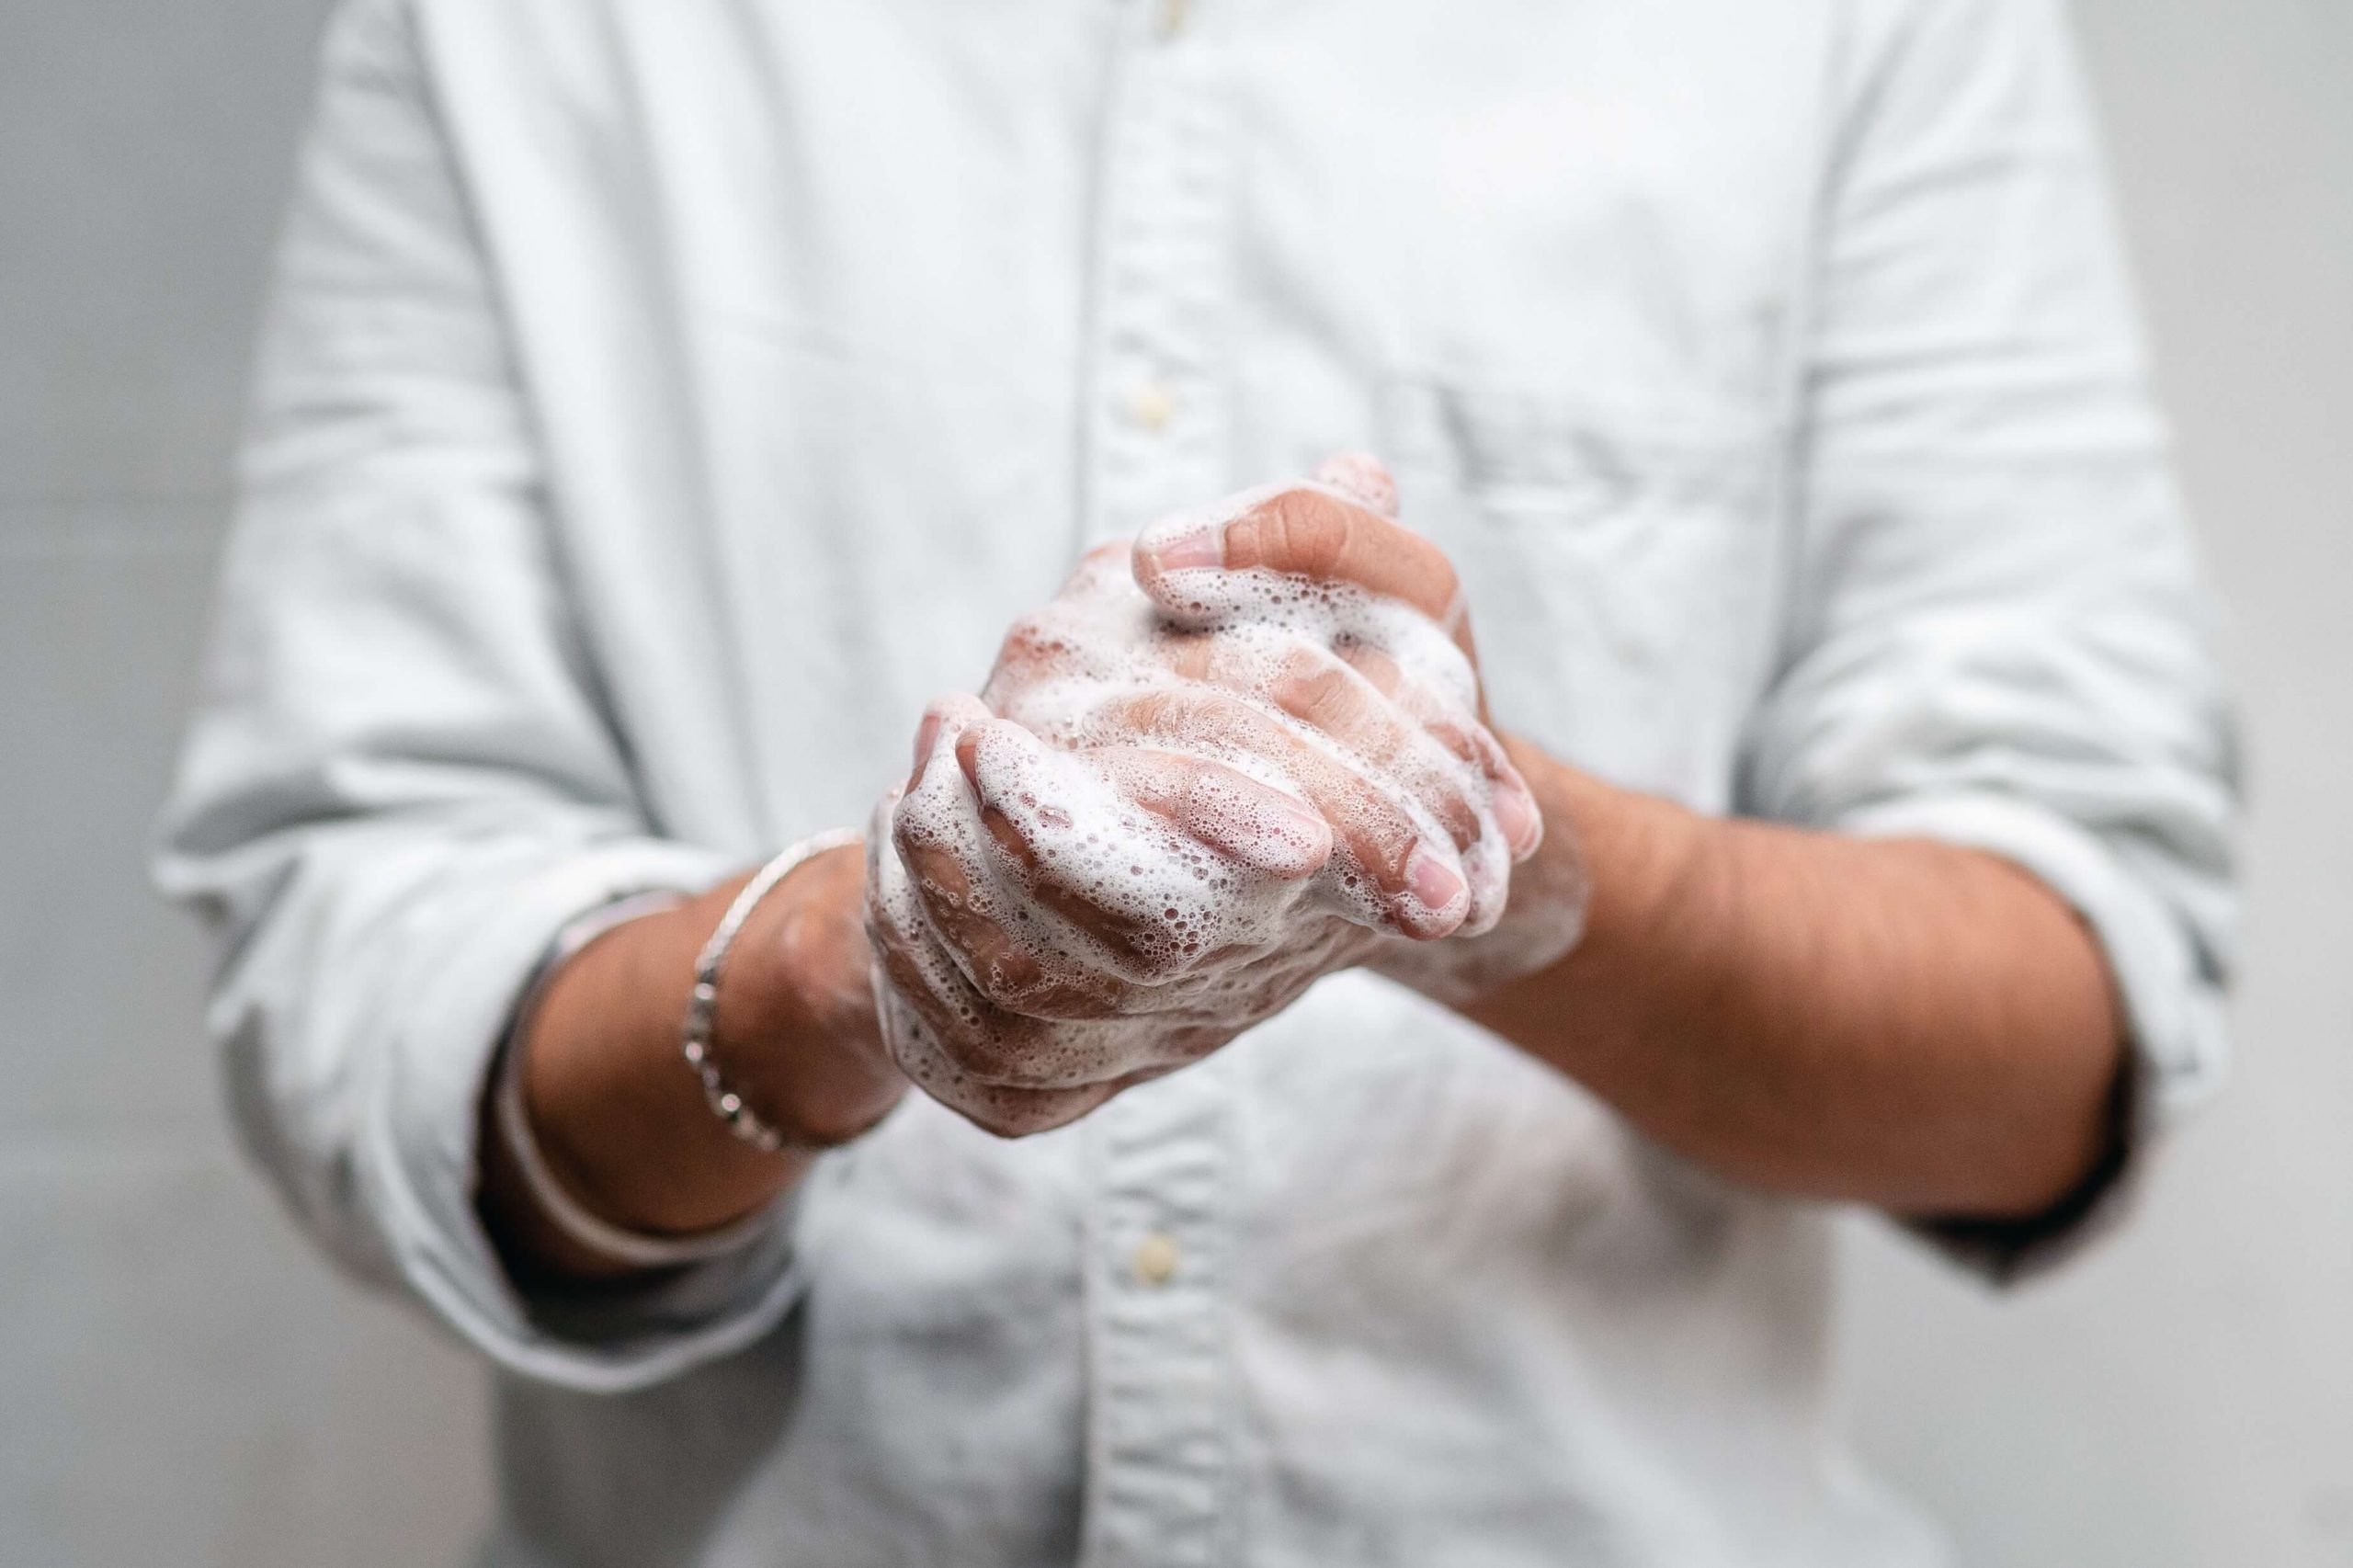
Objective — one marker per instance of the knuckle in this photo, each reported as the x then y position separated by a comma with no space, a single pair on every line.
1458,743
905,976
1376,668
915,836
1457,814
1033,639
1187,654
942,889
1161,961
979,1052
1007,835
1150,713
1385,836
1000,981
998,1115
1308,531
907,837
1014,1114
1004,1051
1326,697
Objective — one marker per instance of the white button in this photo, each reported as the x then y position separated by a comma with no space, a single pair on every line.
1172,15
1151,405
1156,1259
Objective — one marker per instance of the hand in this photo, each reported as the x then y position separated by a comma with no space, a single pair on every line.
1302,627
1032,976
624,1125
1052,926
1343,532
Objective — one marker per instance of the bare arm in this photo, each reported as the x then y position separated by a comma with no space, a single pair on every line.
1904,1023
616,1111
1915,1026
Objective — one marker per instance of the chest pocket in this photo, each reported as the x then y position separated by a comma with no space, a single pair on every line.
1622,571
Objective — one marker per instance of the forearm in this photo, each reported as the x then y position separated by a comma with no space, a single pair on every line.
619,1115
1920,1026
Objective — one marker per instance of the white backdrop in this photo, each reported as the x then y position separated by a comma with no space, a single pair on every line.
180,1383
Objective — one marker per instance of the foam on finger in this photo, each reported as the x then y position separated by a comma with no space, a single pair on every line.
1187,874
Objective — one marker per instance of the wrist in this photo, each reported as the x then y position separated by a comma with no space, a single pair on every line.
1548,913
621,1116
1645,862
796,1031
1647,869
617,1114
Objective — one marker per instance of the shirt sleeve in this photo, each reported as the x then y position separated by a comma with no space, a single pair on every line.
402,779
1998,635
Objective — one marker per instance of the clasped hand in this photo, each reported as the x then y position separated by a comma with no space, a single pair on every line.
1243,753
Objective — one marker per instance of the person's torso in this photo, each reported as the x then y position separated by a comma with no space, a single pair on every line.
844,328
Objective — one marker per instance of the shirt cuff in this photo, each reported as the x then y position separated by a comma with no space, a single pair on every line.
419,1149
2172,1013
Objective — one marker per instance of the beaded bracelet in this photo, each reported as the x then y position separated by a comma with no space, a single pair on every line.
702,1006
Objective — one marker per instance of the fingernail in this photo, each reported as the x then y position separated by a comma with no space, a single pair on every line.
926,736
1517,815
1195,548
1433,882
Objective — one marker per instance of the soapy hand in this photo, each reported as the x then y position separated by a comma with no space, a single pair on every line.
1243,754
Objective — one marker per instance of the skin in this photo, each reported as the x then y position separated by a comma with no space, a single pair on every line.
1905,1023
1394,788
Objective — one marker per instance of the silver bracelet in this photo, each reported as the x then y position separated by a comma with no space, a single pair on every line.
633,1249
702,1006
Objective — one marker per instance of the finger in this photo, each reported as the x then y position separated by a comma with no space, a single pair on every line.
947,718
985,1041
1468,742
1330,697
1097,613
945,842
1362,478
968,1040
1512,801
1321,691
1299,530
1000,951
1007,1110
1035,648
1067,828
1417,878
1026,796
1231,812
1186,653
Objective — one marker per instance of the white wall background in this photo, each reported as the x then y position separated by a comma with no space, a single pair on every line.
180,1383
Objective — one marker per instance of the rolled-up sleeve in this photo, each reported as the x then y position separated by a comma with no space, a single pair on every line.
1999,635
402,780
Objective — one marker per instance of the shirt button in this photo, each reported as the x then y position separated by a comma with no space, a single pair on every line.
1151,405
1173,15
1156,1259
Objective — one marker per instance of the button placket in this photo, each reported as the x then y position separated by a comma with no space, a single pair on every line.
1160,1401
1157,438
1160,1398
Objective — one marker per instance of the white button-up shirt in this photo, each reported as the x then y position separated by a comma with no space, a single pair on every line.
664,397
